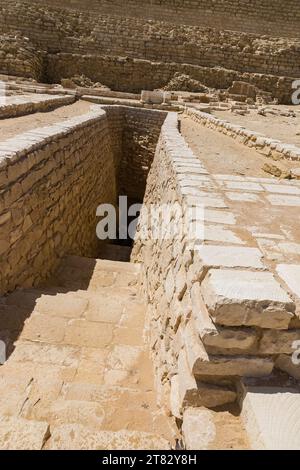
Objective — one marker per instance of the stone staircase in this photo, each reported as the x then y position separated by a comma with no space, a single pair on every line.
78,375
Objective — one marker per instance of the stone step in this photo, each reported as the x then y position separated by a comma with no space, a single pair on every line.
115,252
218,339
190,392
204,429
247,298
201,363
21,434
272,417
93,275
78,437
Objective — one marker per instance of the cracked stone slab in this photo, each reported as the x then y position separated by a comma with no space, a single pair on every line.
21,434
246,298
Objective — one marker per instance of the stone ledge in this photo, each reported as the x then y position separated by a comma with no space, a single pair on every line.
19,106
247,137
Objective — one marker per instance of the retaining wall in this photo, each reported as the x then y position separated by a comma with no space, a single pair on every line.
216,312
257,16
272,148
52,180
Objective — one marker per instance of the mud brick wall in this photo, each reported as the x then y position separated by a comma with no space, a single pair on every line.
255,16
202,342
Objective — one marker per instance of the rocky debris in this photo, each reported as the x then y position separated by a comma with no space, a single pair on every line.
182,82
263,111
81,81
276,171
243,88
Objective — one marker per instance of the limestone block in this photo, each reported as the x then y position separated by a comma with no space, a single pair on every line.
272,418
286,364
278,342
203,364
194,393
216,338
20,434
152,97
244,298
65,305
79,437
230,257
290,273
198,429
175,405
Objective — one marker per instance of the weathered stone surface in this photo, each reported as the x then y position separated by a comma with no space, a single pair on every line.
175,404
203,364
78,437
286,364
88,334
44,328
290,273
271,417
231,257
194,393
225,340
278,342
65,305
21,434
237,298
198,429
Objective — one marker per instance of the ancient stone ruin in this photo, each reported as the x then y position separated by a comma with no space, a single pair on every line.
181,330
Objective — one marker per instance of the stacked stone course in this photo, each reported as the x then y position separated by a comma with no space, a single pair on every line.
216,312
256,16
130,54
53,179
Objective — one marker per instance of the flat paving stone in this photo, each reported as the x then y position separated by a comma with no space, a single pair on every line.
290,273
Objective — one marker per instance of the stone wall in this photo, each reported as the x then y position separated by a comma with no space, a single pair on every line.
38,103
140,135
18,56
101,40
56,30
134,75
271,148
209,321
257,16
53,179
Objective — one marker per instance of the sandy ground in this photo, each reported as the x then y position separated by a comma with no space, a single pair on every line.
14,126
286,129
223,155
